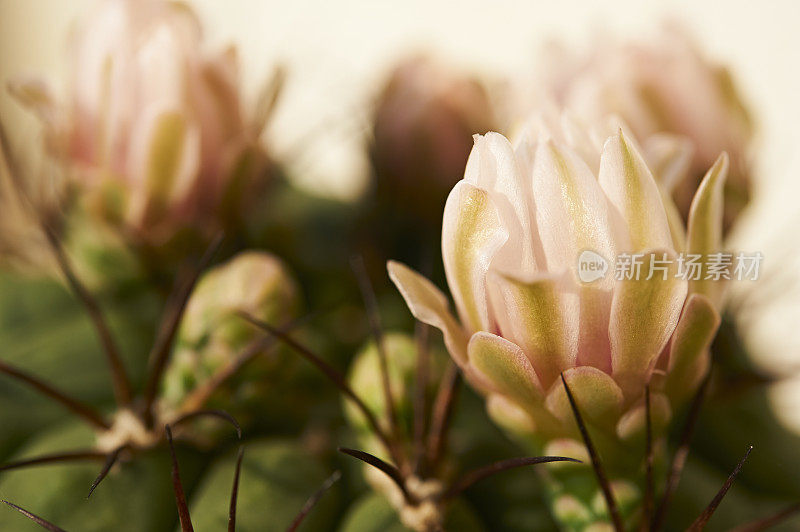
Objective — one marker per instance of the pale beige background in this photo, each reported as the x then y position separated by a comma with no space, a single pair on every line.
336,52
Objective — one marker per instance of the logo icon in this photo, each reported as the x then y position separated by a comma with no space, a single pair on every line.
591,266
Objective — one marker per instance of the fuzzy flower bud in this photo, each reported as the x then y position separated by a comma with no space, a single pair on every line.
213,333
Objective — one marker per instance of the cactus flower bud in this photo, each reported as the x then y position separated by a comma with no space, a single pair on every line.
665,87
213,333
153,129
514,231
365,377
423,125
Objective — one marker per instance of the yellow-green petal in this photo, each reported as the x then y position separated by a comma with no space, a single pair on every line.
540,316
631,188
688,362
598,397
704,234
505,365
429,305
644,313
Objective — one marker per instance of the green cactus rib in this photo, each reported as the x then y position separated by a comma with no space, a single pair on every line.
183,507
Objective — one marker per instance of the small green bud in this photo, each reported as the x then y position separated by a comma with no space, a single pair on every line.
366,379
213,333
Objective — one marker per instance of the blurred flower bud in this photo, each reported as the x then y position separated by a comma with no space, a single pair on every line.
213,333
153,130
664,87
424,120
514,231
366,379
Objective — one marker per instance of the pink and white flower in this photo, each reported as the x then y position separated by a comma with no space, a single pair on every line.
513,231
153,128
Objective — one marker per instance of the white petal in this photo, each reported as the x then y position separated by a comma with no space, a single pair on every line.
572,213
644,314
472,233
494,167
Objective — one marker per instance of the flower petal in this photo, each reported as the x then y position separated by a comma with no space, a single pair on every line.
705,225
472,233
675,221
631,188
669,157
429,305
495,167
598,397
540,316
693,335
594,346
509,415
505,365
166,152
633,423
572,213
644,313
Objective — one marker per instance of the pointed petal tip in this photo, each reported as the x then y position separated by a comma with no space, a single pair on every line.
393,265
721,165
